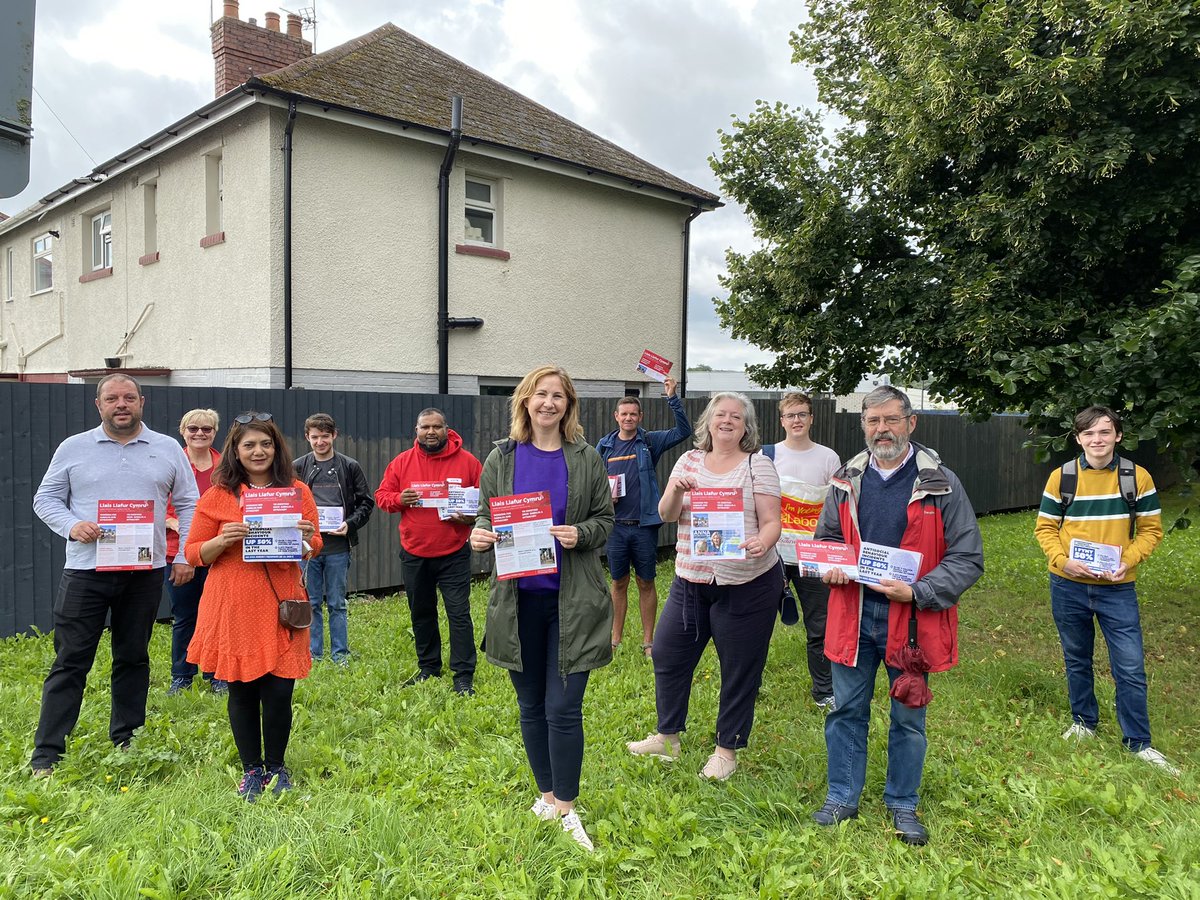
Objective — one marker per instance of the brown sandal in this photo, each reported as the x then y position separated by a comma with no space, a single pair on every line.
646,648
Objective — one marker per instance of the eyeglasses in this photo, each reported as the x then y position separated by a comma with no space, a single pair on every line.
247,418
795,417
889,421
201,429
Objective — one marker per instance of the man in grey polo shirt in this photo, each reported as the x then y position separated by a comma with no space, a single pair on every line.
121,460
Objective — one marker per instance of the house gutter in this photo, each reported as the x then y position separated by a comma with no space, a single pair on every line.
443,283
687,252
287,245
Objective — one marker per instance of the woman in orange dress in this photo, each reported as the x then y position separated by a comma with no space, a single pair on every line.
238,635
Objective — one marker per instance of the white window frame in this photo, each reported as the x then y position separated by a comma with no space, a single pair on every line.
102,240
149,217
214,193
47,252
490,207
8,274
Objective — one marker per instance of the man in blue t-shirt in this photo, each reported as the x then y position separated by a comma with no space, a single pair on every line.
630,454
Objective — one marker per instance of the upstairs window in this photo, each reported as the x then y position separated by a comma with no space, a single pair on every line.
102,240
43,263
482,213
214,191
8,274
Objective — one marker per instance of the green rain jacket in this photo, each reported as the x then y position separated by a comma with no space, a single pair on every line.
584,605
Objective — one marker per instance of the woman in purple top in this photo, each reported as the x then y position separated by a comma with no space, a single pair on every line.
550,630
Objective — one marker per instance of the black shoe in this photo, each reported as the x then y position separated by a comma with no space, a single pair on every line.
834,813
464,686
908,828
419,677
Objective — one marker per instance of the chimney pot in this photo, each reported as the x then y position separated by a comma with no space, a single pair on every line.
253,21
294,26
272,21
231,9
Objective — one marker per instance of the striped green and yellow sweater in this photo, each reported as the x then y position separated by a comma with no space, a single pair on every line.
1099,514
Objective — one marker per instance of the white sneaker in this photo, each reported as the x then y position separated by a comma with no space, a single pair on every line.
1079,732
655,745
572,826
1152,756
544,810
718,768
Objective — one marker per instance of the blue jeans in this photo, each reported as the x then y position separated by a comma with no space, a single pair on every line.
551,705
846,727
185,604
327,580
1077,607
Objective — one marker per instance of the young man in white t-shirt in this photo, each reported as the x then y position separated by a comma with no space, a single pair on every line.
805,468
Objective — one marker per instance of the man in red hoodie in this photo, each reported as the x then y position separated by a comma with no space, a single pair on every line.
433,549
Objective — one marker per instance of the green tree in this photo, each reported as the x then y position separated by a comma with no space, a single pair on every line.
1008,206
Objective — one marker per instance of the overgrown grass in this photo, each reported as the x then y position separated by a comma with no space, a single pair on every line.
416,792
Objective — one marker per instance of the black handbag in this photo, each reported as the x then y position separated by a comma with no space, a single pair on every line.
293,614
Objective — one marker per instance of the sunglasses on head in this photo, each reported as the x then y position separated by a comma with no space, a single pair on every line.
198,429
247,418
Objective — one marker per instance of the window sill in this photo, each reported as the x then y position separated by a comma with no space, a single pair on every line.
211,240
96,276
48,290
475,250
149,259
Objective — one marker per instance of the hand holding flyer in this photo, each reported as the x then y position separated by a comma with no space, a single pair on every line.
330,518
718,522
273,515
816,558
434,494
126,539
525,545
460,501
1097,558
657,367
876,562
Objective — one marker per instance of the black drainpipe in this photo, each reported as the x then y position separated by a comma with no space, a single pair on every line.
444,246
687,250
287,245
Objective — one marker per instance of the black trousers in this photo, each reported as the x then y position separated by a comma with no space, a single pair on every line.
85,599
813,595
423,575
260,714
738,619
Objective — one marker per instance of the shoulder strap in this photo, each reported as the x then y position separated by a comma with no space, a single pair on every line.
1127,480
1068,481
768,450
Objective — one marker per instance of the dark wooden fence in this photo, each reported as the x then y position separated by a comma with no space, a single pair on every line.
374,427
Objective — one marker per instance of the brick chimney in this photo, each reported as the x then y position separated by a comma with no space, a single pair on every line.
243,49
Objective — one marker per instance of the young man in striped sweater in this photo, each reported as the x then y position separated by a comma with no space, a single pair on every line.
1093,544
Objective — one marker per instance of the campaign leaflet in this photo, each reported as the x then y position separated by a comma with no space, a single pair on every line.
526,546
126,535
815,558
460,501
657,367
875,562
273,515
330,518
434,494
1097,558
718,523
616,485
800,507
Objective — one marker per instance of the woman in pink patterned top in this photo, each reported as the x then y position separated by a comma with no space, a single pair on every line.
730,597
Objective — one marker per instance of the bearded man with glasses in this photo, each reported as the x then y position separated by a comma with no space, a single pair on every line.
897,494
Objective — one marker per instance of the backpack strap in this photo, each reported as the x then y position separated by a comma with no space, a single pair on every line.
768,450
1068,481
1127,479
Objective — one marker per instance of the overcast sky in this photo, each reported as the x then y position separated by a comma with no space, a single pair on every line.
658,77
